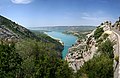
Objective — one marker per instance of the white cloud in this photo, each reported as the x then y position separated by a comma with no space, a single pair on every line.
96,17
21,1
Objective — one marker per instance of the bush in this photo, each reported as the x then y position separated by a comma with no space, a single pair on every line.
117,59
99,41
105,36
98,67
101,24
106,48
98,32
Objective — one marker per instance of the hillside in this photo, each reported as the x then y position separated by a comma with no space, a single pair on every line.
12,32
99,50
11,29
26,54
31,54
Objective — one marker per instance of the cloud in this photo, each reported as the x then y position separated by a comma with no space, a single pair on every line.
96,17
21,1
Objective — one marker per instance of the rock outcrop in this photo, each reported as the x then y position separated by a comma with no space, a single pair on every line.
10,30
86,50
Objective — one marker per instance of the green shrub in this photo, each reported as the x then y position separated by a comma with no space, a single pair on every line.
117,58
98,67
105,36
98,32
106,48
99,41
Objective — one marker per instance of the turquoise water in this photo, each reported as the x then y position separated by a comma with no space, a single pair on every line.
68,40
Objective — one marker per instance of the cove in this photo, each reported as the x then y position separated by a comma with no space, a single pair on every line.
68,40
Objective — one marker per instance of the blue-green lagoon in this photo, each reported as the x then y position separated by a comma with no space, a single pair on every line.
68,40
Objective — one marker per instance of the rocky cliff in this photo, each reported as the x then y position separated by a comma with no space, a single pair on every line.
87,49
11,30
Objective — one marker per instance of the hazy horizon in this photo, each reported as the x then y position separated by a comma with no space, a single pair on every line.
64,26
38,13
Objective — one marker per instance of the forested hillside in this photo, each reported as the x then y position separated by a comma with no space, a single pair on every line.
24,54
12,32
31,54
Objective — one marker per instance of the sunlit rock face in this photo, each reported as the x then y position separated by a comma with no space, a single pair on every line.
11,30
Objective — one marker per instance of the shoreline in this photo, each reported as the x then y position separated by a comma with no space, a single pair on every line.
59,40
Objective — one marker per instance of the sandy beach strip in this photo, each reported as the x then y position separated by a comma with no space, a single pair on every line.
55,38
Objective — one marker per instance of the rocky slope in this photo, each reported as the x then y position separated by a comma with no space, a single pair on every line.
86,50
12,32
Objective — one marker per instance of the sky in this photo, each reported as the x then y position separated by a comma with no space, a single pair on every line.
36,13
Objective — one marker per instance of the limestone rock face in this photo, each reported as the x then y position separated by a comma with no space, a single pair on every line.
9,30
84,51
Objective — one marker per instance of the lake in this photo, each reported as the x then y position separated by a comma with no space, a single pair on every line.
68,40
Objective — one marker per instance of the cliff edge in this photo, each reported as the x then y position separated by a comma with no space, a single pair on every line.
94,45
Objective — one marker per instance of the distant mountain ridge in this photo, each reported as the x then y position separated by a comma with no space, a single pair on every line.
64,28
